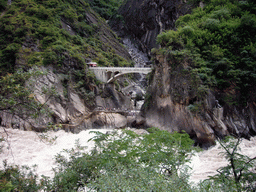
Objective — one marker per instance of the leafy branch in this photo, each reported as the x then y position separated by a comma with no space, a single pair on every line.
238,174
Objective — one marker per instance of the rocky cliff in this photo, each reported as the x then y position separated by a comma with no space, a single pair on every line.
145,19
175,101
177,98
67,88
68,109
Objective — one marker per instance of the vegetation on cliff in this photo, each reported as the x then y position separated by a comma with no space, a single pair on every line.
56,33
219,40
108,9
50,32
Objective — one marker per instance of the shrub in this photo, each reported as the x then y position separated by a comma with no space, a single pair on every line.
187,31
221,14
70,15
218,37
238,175
3,4
126,161
50,57
211,24
14,178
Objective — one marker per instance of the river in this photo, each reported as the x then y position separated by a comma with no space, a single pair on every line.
26,148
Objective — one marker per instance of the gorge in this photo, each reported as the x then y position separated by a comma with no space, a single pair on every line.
201,55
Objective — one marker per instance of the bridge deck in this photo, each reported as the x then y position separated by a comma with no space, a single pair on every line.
121,68
109,74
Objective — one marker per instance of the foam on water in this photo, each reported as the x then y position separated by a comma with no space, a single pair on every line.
26,148
206,163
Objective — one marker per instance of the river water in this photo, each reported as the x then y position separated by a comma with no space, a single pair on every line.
26,148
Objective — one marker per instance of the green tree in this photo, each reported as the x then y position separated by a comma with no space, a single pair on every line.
219,37
16,95
14,178
125,161
238,175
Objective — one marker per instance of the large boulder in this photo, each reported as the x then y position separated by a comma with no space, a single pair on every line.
109,120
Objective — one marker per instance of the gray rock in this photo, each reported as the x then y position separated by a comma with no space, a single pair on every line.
173,103
152,17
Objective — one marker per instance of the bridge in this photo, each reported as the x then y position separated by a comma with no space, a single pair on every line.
109,74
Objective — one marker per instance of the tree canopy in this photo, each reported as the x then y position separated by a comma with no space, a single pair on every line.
220,39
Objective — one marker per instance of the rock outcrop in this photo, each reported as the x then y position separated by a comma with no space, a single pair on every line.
145,19
68,109
172,103
176,98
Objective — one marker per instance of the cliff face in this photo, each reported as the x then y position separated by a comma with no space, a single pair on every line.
69,110
67,87
177,98
173,103
145,19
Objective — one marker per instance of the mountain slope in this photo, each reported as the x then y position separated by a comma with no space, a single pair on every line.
56,38
56,29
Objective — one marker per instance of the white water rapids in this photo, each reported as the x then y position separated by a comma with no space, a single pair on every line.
25,148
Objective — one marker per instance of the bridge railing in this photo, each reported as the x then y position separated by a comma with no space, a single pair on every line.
121,68
109,74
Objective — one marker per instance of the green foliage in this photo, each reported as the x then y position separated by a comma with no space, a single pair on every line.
28,24
3,5
8,57
196,107
14,178
125,161
218,37
238,175
211,24
106,8
85,84
70,15
16,95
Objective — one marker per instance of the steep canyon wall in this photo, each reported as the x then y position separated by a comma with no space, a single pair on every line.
176,98
145,19
69,89
175,102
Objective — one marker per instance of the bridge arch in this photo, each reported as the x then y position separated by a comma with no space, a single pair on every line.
109,74
113,78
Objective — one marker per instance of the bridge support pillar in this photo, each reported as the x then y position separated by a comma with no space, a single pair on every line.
101,75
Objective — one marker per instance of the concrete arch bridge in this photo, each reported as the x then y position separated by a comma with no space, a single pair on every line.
109,74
